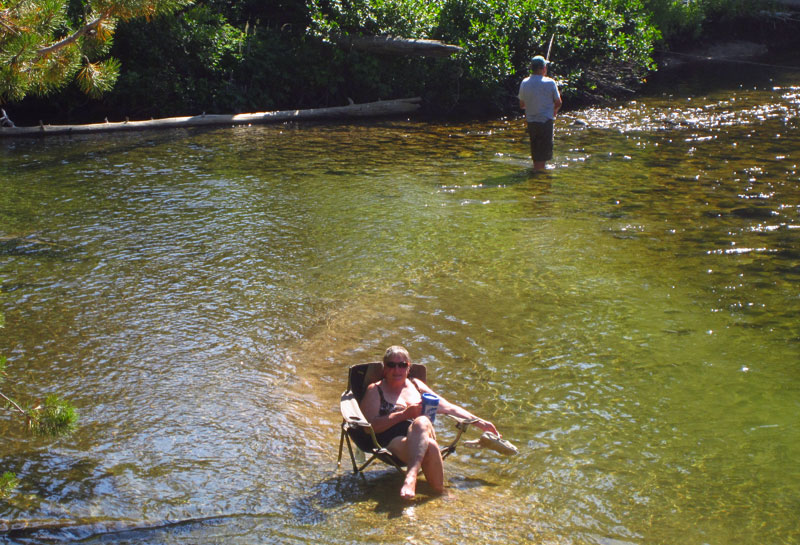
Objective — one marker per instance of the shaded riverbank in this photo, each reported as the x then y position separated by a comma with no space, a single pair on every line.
167,72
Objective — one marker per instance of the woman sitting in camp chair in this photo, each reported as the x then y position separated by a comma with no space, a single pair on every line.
394,408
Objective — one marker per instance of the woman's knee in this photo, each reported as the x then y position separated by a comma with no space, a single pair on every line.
422,424
423,428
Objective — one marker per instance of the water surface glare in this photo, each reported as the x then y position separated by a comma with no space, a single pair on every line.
628,319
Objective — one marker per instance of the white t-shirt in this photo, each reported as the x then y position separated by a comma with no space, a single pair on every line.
539,93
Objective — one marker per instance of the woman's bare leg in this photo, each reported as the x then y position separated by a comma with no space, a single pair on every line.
433,467
421,452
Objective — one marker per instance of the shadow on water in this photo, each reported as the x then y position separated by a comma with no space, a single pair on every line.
30,245
701,77
76,149
379,490
506,179
514,178
102,530
56,477
376,491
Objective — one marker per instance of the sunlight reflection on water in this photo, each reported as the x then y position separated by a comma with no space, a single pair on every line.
627,318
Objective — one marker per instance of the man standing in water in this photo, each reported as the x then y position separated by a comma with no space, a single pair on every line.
539,97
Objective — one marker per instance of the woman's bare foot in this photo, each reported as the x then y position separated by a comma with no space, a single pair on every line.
409,490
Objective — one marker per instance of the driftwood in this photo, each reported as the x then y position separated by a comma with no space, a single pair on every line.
368,109
399,46
5,121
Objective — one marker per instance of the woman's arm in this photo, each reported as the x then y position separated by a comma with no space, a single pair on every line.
445,407
371,405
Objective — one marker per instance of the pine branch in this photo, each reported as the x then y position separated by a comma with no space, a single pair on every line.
3,19
72,38
12,402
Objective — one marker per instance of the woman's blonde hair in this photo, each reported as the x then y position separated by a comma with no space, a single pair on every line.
395,350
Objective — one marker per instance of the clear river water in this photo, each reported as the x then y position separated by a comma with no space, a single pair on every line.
629,319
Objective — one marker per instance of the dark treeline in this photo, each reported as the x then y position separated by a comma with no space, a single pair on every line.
219,56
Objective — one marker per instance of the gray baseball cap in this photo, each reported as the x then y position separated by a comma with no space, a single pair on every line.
538,62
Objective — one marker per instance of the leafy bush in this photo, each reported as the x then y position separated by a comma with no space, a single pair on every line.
186,61
683,22
601,47
254,55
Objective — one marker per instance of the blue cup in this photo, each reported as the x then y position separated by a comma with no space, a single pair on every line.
430,403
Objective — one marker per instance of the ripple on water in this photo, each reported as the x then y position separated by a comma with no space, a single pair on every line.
627,320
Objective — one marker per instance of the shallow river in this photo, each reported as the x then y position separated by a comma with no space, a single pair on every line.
628,319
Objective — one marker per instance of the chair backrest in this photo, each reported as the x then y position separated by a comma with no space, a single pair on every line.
363,374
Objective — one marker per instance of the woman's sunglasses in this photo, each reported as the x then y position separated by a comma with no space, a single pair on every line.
393,364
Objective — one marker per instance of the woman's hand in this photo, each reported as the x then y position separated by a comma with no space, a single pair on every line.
485,425
445,407
413,411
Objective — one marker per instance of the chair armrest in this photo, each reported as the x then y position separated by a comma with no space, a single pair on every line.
353,417
463,423
351,412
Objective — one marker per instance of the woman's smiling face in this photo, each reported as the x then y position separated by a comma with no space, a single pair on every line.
396,367
396,363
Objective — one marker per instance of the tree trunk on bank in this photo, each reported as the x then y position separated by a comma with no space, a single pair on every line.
381,108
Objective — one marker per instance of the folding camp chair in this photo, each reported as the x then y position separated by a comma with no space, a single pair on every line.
359,377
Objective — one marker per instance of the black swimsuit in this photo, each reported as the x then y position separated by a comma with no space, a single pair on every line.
387,408
385,437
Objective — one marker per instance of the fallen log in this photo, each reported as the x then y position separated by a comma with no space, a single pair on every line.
399,46
380,108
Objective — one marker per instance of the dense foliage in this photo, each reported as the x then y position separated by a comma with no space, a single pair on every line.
255,55
682,21
603,43
45,44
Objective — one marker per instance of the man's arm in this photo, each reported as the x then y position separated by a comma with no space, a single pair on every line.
556,99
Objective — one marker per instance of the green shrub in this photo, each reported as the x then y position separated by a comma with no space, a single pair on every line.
255,55
179,63
602,47
682,22
8,482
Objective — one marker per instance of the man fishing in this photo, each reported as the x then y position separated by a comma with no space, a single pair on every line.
539,97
